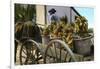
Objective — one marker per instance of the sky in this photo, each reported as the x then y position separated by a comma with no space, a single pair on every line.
88,13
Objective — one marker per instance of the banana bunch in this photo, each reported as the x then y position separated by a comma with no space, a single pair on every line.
51,28
58,31
77,24
81,25
46,31
68,34
84,24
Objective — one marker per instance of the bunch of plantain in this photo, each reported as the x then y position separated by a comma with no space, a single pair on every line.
51,28
58,31
46,31
68,34
81,26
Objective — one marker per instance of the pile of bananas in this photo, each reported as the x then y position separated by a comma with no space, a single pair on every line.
65,30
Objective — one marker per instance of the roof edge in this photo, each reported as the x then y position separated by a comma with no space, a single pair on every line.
75,11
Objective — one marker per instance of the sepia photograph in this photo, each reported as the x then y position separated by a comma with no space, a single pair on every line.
46,34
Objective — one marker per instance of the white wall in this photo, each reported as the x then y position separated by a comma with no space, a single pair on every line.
73,15
60,11
40,14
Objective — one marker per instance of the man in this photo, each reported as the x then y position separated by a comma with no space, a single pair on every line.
53,16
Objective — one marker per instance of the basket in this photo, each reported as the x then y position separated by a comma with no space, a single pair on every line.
83,45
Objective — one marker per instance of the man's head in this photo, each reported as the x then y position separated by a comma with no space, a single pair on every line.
52,11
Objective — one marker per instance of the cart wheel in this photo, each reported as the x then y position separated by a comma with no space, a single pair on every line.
58,51
29,53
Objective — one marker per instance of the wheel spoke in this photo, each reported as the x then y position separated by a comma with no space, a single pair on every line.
23,57
66,56
51,51
60,53
24,51
55,52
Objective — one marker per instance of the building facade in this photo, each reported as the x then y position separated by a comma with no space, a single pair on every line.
43,17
